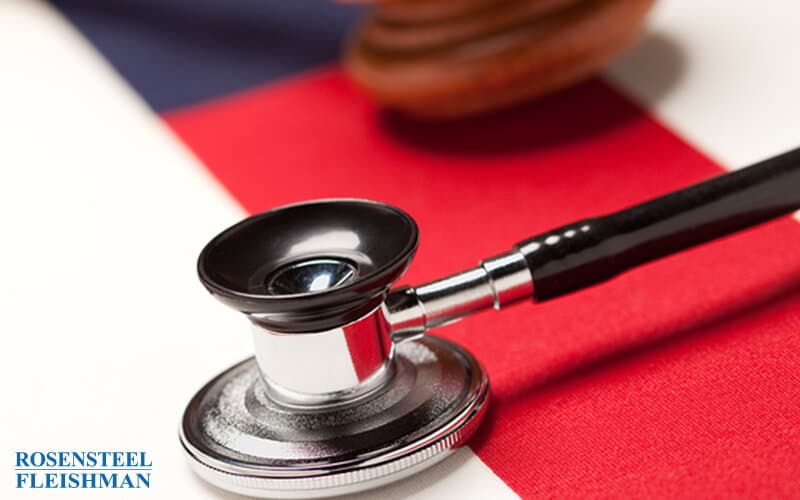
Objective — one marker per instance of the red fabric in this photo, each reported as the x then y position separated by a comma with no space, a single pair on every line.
681,378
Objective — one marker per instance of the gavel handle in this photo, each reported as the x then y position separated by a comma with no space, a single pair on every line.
592,250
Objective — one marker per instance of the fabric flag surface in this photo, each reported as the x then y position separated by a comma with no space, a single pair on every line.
154,124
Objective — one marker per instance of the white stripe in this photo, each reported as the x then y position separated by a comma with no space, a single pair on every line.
461,475
106,332
724,75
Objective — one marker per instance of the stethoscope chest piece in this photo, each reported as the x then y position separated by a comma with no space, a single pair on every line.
240,440
337,398
346,390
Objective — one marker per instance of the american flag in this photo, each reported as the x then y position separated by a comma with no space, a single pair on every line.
132,131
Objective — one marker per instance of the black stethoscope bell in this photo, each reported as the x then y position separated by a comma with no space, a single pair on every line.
346,392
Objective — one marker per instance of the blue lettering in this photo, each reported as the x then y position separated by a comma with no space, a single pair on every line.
109,481
126,482
143,478
54,469
37,459
86,478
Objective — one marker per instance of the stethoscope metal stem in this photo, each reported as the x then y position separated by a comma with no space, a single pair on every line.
497,282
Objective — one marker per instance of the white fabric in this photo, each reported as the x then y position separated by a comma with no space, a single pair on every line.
723,75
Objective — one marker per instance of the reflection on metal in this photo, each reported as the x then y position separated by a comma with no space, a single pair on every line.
497,282
239,438
325,368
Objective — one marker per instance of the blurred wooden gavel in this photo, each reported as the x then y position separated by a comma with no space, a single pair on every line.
454,58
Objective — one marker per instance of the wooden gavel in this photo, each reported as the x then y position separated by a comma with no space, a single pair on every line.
454,58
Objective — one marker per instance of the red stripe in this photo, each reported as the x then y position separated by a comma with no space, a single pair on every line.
681,378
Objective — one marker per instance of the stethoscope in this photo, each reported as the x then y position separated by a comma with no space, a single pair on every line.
346,392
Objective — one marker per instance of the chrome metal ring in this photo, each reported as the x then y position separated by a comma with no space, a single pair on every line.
238,440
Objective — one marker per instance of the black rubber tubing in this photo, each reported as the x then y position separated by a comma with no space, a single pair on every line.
592,250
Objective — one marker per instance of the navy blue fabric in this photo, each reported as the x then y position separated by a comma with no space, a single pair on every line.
179,52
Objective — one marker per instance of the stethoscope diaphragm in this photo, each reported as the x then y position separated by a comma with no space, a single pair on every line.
241,440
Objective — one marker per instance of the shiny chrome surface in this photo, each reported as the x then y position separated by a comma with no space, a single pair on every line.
510,277
497,282
238,438
341,365
449,299
325,368
404,313
311,275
